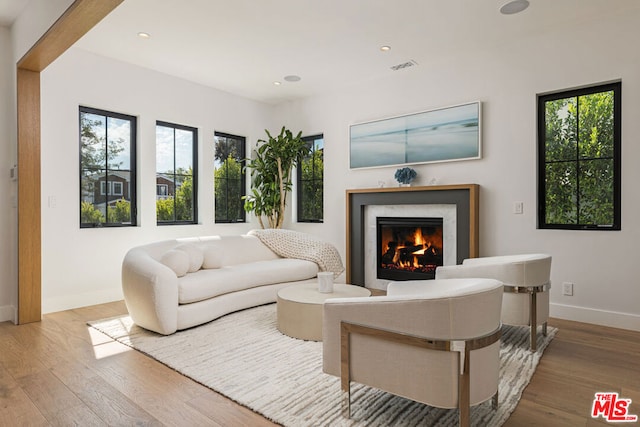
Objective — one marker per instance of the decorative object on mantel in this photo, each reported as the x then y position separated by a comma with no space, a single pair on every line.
271,181
440,135
404,176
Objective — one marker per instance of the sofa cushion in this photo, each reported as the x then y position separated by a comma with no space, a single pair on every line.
206,284
213,256
239,249
176,260
195,256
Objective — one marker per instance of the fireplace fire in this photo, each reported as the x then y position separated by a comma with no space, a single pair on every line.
408,248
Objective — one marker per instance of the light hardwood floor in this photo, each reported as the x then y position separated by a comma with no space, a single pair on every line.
60,372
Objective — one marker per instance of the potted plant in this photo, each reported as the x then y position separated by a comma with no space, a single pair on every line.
271,179
405,175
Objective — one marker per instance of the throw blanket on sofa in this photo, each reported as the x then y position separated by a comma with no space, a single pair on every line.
293,244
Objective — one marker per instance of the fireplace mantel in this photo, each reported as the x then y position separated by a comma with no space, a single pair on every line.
464,196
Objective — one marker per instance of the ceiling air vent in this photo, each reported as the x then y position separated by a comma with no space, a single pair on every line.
407,64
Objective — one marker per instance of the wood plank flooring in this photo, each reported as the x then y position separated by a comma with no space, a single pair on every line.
59,372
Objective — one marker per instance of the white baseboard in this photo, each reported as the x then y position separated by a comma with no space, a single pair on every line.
68,302
8,313
595,316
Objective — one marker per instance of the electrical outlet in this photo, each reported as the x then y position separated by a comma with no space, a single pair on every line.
567,289
518,208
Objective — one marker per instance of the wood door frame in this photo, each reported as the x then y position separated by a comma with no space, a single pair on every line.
75,22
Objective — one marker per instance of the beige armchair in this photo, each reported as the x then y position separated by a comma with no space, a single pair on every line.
432,341
526,281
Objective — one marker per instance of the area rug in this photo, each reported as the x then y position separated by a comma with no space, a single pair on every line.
244,357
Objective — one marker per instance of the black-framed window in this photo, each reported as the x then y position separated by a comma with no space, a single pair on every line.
579,166
176,174
229,177
310,181
107,168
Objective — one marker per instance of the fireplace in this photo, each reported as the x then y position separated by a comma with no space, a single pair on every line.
408,248
457,204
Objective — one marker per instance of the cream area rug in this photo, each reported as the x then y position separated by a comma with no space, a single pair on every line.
243,356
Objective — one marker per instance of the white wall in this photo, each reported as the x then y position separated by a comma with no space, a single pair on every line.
8,188
82,266
506,79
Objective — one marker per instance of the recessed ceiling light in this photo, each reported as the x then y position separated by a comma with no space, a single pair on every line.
385,48
277,83
514,6
144,35
292,78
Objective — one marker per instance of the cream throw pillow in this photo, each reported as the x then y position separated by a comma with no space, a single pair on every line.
195,256
176,260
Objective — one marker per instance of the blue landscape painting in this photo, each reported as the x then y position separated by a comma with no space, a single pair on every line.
446,134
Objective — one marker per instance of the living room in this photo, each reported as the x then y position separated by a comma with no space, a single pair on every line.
81,267
505,77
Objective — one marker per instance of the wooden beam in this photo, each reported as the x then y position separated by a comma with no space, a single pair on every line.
77,20
29,236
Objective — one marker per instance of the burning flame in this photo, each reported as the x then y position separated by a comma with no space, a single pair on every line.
422,244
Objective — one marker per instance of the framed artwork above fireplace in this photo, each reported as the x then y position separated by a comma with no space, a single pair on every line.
440,135
434,225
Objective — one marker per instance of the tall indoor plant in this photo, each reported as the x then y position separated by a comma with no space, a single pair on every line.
271,179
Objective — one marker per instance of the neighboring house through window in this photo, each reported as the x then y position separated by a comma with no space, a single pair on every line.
229,178
176,174
579,139
310,182
107,168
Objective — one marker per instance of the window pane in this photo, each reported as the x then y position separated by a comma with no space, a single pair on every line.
175,174
229,178
561,125
561,195
93,200
92,141
118,143
184,198
184,150
310,181
596,125
596,192
164,149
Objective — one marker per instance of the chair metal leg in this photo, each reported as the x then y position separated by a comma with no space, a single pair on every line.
533,319
464,391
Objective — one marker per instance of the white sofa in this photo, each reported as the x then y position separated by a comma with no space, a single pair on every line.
177,284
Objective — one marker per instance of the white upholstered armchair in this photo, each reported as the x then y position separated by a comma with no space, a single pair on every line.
526,281
435,342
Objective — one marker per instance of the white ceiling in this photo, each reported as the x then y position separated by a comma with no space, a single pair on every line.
243,46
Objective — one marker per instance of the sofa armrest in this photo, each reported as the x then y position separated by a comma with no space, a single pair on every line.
150,291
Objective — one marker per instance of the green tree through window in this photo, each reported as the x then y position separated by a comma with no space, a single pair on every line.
229,178
176,163
579,158
311,181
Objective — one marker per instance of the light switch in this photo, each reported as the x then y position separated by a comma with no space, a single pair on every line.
518,208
